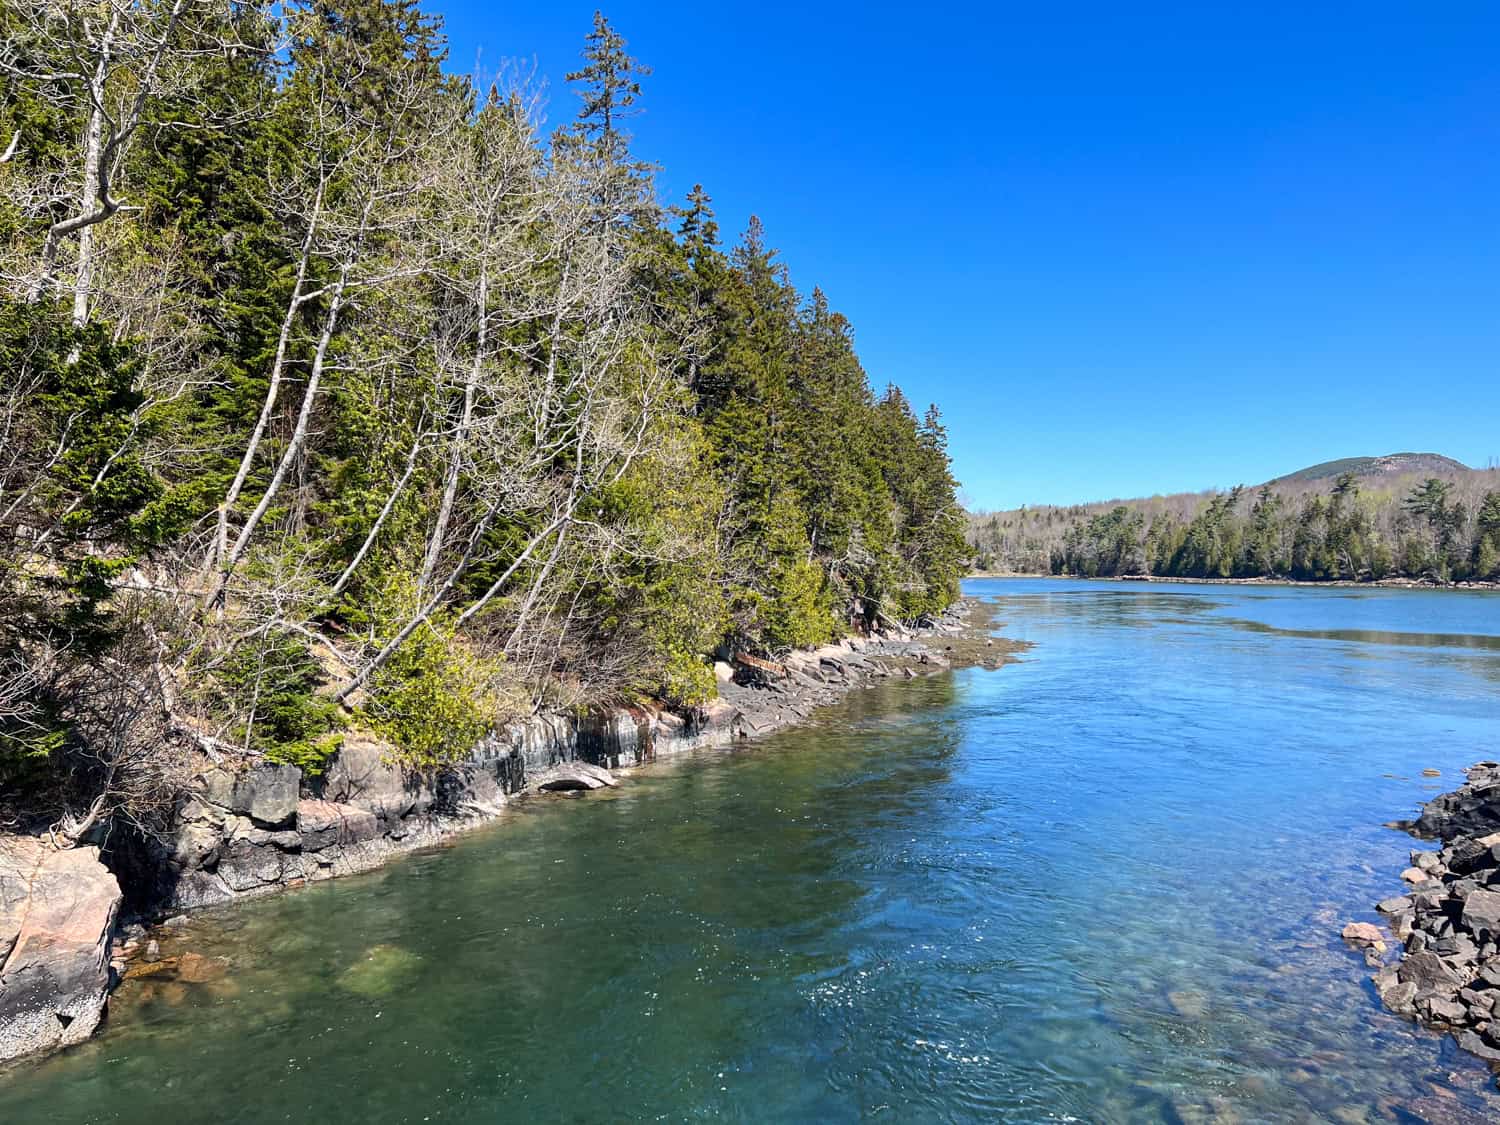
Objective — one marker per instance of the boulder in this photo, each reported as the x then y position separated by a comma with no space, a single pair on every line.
1442,1010
325,823
265,792
1399,905
723,672
1456,949
1414,875
1427,861
57,913
363,776
1474,854
1482,913
1428,972
1400,998
579,775
1472,1042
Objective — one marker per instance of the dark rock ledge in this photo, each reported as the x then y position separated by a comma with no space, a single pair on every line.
264,827
1447,976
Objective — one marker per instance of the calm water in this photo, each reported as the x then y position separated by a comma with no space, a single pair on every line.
1103,884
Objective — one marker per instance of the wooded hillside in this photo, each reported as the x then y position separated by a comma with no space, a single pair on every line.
337,393
1435,528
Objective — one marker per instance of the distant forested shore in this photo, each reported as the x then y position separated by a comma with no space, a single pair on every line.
1401,528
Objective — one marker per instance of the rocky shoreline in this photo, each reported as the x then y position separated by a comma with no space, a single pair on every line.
1447,924
74,923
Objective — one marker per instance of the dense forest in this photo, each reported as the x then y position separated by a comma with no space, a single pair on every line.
1430,528
336,393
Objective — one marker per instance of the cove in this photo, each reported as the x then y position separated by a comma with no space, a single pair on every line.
1103,884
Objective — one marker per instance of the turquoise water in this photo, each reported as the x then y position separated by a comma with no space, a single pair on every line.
1103,884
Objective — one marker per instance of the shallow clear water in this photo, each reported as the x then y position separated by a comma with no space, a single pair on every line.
1102,884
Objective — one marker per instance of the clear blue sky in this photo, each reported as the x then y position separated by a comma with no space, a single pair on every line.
1127,248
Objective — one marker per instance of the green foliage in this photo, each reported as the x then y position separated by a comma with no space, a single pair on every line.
768,498
272,686
434,700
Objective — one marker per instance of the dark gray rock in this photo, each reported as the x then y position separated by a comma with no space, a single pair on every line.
1472,1042
1439,1009
1398,905
265,792
1480,1004
1428,972
1456,949
1472,809
1471,854
361,775
1482,913
1401,998
323,824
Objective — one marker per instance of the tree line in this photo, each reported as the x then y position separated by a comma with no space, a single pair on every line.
1436,529
337,393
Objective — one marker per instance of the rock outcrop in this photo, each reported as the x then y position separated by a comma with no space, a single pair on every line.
1448,976
57,914
261,826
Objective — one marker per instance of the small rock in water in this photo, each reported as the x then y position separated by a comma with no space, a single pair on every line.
1363,933
1432,773
1414,875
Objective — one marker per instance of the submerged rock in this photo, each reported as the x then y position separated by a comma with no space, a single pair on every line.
380,970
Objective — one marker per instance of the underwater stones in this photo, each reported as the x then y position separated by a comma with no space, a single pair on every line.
195,968
380,970
1187,1004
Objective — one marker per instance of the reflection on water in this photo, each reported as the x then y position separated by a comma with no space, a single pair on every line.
1103,884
